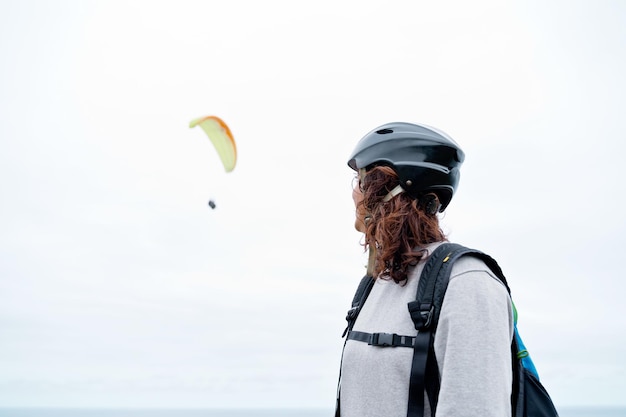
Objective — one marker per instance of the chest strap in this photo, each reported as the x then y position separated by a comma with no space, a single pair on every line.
382,339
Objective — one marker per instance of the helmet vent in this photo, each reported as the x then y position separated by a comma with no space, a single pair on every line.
384,131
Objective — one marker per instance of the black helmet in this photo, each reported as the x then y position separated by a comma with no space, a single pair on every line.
425,159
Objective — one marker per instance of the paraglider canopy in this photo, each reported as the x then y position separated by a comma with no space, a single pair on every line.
221,137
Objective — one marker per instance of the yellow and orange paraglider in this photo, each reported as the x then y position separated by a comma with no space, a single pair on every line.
221,137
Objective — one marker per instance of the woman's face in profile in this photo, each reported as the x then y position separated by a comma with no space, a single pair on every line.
357,197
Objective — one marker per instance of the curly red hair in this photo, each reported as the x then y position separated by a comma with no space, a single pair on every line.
398,228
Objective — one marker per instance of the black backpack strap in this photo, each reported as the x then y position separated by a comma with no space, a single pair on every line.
362,291
422,312
425,312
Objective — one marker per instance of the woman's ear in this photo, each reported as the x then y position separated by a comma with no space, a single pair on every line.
430,204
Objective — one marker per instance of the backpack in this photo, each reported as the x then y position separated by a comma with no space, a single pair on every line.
528,396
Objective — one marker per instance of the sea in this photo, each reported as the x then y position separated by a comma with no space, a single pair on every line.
137,412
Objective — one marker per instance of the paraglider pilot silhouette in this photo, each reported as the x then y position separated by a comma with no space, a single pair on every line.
222,138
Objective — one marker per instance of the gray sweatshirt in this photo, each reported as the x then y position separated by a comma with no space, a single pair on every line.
472,346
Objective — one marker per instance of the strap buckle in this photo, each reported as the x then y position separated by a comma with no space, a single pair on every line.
350,317
382,339
422,315
352,313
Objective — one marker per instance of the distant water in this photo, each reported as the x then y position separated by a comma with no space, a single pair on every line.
92,412
140,412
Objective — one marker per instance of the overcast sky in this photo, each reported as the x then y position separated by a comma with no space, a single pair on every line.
119,286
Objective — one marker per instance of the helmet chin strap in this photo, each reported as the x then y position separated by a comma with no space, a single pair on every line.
397,190
371,260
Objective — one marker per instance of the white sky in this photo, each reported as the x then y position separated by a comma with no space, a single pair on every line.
120,287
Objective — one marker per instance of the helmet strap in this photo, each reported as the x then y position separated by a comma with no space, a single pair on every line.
371,260
397,190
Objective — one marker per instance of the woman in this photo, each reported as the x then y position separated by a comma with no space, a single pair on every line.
406,175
